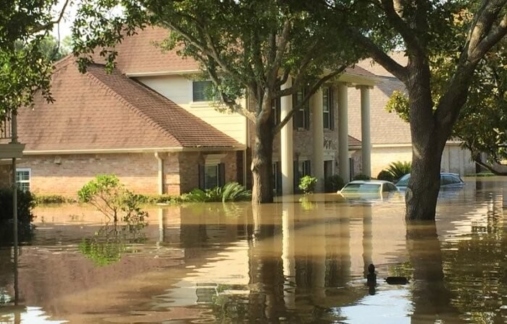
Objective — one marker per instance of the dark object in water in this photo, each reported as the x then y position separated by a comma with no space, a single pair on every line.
371,277
397,280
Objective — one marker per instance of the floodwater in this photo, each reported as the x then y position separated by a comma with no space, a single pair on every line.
288,262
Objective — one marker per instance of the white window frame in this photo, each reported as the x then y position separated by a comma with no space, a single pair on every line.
18,182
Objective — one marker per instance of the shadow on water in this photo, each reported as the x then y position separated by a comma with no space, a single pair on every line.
300,260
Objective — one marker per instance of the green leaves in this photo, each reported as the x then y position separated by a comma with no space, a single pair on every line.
24,67
111,198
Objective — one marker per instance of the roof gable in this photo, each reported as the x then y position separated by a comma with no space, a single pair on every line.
97,111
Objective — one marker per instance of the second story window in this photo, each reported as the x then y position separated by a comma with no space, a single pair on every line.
201,91
302,115
275,106
327,108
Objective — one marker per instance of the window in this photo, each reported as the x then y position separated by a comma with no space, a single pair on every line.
275,105
211,176
277,178
201,90
302,116
327,108
23,179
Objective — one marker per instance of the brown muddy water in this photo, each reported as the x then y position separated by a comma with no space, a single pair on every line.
287,262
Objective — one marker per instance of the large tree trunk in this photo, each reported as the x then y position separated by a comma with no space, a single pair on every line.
262,191
422,190
428,142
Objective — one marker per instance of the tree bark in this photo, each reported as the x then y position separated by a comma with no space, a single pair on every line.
262,191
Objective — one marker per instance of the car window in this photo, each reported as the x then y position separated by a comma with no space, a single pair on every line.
448,179
361,187
390,187
403,180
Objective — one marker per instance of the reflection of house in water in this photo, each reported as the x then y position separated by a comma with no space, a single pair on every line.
274,260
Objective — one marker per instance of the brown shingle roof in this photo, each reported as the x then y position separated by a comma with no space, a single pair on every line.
100,111
142,45
139,54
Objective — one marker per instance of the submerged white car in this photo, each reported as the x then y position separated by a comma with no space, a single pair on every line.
369,189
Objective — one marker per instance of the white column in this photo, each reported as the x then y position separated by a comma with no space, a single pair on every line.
287,149
318,140
365,130
343,132
161,182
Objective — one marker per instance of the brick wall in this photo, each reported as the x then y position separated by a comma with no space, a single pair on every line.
66,174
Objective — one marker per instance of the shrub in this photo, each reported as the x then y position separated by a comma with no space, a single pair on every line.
307,184
158,199
52,199
385,175
26,203
333,183
110,197
399,169
232,191
361,176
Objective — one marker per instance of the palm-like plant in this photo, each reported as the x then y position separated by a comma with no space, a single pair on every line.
399,169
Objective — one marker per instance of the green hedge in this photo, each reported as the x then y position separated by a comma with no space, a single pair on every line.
26,203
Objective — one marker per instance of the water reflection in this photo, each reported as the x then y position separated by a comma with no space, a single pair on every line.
286,262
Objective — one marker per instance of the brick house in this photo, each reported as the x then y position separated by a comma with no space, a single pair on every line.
149,123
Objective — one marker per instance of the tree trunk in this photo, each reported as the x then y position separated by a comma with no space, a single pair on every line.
424,185
428,142
262,191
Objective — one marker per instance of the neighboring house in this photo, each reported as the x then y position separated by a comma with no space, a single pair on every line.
150,124
390,135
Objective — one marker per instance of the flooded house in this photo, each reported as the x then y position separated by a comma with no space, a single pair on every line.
150,123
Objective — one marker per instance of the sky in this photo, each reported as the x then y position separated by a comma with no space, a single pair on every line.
63,29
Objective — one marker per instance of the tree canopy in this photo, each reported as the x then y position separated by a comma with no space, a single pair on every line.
24,68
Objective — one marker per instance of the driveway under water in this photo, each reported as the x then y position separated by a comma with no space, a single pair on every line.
287,262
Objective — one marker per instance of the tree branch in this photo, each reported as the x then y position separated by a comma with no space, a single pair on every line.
50,24
379,56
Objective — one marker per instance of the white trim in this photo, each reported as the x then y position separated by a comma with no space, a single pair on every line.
213,159
391,145
160,73
136,150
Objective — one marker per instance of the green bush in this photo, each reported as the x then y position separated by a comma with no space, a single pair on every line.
111,198
399,169
158,199
361,176
25,203
333,183
52,199
385,175
232,191
307,184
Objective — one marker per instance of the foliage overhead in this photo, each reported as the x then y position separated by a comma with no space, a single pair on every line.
24,67
241,45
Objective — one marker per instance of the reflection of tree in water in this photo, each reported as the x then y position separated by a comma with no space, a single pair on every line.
111,241
476,269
